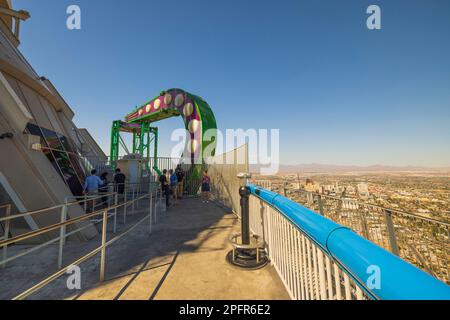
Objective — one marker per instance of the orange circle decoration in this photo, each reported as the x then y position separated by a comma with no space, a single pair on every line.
140,112
147,108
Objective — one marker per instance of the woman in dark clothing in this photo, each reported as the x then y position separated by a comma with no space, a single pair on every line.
104,188
165,189
206,186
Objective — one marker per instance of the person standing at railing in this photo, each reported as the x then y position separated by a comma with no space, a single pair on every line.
90,187
165,187
206,186
180,178
173,185
119,181
103,189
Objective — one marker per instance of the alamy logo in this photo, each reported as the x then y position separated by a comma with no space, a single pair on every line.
374,279
374,20
74,19
74,279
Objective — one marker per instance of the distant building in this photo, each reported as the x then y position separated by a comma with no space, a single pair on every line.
363,190
350,190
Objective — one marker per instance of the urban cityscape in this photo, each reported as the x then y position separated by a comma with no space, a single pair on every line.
417,204
423,193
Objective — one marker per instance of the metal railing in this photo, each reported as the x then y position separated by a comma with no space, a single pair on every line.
319,259
101,164
154,197
6,228
422,241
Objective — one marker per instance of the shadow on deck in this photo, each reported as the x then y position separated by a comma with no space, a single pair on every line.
183,258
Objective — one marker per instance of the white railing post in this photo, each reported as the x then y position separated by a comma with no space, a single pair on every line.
62,235
337,282
150,213
348,293
322,279
103,251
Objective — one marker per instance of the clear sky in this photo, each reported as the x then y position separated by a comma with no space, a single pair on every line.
339,93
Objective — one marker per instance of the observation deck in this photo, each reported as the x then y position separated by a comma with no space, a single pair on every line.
183,258
144,251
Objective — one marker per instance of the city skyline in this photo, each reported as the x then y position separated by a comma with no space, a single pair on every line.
340,93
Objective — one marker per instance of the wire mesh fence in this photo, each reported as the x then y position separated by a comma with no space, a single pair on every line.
223,170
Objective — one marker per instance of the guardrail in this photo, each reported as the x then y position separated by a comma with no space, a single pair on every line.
102,164
7,208
319,259
153,198
422,241
131,191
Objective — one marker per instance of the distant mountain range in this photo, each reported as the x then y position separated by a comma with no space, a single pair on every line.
315,167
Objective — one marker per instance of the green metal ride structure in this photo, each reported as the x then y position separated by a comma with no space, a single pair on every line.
199,122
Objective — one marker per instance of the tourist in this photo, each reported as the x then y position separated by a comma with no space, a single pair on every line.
90,187
173,185
206,186
103,189
165,190
180,179
92,183
119,181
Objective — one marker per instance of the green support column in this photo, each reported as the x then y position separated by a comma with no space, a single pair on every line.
154,130
114,152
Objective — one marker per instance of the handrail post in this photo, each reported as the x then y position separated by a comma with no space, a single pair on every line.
62,235
156,202
103,251
116,202
125,200
391,232
85,203
150,213
7,226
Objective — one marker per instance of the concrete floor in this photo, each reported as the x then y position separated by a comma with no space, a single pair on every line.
183,258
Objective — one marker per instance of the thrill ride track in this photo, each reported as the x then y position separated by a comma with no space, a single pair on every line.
198,119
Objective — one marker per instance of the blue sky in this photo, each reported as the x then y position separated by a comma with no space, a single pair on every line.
339,93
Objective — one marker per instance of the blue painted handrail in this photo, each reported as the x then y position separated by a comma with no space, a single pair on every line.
399,280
